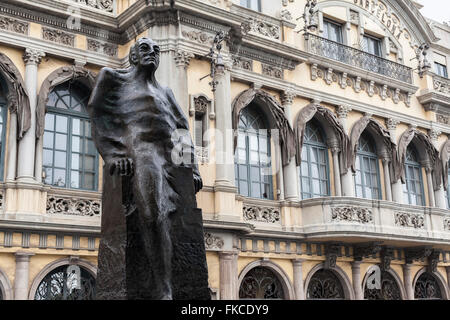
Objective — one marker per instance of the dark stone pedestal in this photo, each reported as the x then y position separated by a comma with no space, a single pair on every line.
123,271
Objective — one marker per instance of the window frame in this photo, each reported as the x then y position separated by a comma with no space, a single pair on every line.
437,69
360,155
70,115
4,115
326,23
248,4
375,39
415,165
309,145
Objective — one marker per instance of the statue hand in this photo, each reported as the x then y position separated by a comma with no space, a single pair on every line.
198,183
122,167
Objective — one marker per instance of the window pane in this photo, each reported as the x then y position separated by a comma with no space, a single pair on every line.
243,188
76,126
47,158
254,174
61,141
316,186
75,161
90,147
59,178
76,144
48,140
89,163
305,185
242,156
256,190
253,142
315,171
304,169
60,159
88,181
243,172
49,122
254,157
48,176
61,124
75,179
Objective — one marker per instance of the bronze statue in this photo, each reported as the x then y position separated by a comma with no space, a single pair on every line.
149,215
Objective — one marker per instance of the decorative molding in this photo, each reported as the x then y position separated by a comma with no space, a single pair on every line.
447,224
14,25
272,71
242,63
76,207
332,251
386,256
433,260
287,98
352,214
366,249
285,14
344,79
410,220
342,111
260,28
392,123
198,36
108,49
441,84
104,5
58,36
213,242
417,253
261,214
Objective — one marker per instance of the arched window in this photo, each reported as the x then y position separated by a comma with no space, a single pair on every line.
389,289
261,283
367,178
3,117
253,164
324,284
314,170
70,158
67,282
427,288
413,188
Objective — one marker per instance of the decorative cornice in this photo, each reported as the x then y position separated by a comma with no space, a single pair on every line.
366,249
13,25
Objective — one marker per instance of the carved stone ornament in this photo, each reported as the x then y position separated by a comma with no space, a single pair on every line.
447,224
261,214
13,25
442,118
272,71
387,255
410,220
183,58
198,36
102,47
441,84
286,15
332,251
433,260
17,100
201,104
77,207
352,214
365,249
104,5
417,253
260,28
213,242
58,36
242,63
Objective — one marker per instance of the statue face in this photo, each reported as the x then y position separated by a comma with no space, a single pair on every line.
147,53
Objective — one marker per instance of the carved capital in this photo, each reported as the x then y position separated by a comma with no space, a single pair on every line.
434,134
183,58
392,124
342,111
213,242
287,98
33,56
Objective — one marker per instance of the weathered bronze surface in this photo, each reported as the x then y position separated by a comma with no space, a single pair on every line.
152,243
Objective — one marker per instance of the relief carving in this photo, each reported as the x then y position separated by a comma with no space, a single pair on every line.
261,214
272,71
411,220
77,207
213,242
352,214
58,36
13,25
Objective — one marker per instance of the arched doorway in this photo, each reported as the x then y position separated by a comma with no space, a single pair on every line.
261,283
324,284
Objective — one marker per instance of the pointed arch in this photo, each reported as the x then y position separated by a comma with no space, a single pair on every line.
431,154
275,114
384,145
17,97
332,126
59,76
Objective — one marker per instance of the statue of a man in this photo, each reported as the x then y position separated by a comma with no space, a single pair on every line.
133,123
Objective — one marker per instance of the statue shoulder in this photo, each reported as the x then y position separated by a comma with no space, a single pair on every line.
110,74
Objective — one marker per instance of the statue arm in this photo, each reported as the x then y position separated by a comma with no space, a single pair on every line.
107,132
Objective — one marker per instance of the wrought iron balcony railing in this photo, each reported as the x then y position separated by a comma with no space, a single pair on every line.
357,58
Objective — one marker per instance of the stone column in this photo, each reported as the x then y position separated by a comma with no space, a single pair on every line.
228,274
407,280
27,145
387,178
21,277
298,279
336,170
38,161
224,136
12,148
356,279
397,188
182,60
347,180
290,171
429,170
439,195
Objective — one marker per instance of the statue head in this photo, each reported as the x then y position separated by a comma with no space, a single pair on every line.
145,53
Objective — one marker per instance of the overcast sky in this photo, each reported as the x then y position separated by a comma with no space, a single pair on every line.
438,10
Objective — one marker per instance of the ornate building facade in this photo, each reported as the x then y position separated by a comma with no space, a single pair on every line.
338,170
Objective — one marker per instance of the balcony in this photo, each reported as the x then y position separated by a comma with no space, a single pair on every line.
357,58
436,96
